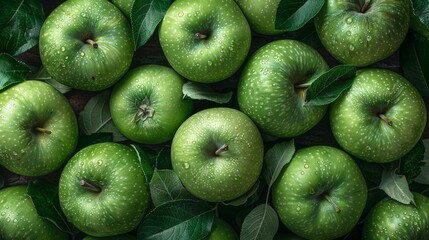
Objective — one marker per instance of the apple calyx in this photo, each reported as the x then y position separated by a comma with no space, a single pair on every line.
221,149
92,43
89,186
43,131
386,119
144,110
329,199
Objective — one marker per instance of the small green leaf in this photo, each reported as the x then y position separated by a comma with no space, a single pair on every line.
145,163
394,185
43,75
276,158
86,140
293,14
145,17
163,160
414,61
261,223
45,198
423,177
20,23
180,219
244,198
328,86
201,91
420,18
11,71
166,186
412,162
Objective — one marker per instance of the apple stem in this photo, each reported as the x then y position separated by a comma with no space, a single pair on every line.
200,36
384,118
329,199
43,130
89,186
92,43
365,6
303,85
221,150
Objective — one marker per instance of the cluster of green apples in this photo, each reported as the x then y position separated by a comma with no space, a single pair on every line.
217,153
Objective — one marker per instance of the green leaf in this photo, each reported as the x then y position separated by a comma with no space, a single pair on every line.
276,158
201,91
420,18
96,117
45,198
412,162
414,61
261,223
245,197
328,86
180,219
423,177
145,17
20,23
86,140
394,185
293,14
145,163
11,71
166,186
163,160
43,75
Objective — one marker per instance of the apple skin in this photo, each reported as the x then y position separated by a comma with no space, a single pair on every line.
301,192
124,5
120,204
155,88
210,59
267,90
228,174
355,116
362,38
72,61
19,218
38,129
261,15
390,219
117,237
221,230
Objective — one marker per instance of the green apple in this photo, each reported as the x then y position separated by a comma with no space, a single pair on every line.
117,237
206,40
390,219
124,5
320,194
362,32
261,15
19,218
86,45
217,154
38,129
103,190
147,105
380,118
271,89
221,230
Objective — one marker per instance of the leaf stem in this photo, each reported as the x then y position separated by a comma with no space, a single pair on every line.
329,199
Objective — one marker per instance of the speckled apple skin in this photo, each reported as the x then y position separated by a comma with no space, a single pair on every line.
298,193
206,60
361,39
25,106
266,89
361,132
390,219
124,196
217,178
221,230
19,218
71,61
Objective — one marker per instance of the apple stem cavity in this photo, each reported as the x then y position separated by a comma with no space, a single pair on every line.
92,43
363,8
144,110
221,150
329,199
43,130
89,186
386,119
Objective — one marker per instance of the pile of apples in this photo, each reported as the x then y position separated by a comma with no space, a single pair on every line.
217,157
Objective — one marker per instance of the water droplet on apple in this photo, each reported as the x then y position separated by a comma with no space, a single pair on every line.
7,219
82,54
63,65
99,162
63,49
306,166
349,20
209,63
298,209
14,220
302,172
83,14
181,14
186,165
3,213
352,48
211,163
368,38
349,33
67,58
